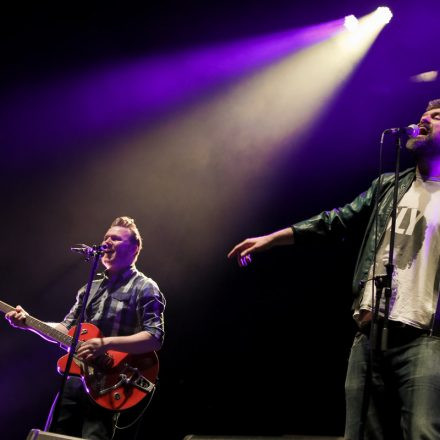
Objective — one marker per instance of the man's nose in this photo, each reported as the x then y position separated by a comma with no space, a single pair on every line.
425,120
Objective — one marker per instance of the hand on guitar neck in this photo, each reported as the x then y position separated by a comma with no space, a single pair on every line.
86,350
17,318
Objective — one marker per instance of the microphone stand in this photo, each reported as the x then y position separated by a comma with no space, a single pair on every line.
51,422
385,281
383,284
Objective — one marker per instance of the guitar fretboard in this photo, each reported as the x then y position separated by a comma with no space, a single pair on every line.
41,327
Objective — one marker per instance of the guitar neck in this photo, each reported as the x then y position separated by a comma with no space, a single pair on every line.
41,327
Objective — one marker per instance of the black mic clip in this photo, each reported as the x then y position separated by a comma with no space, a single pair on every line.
89,251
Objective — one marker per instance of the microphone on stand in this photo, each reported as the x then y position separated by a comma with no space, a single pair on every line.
412,130
89,251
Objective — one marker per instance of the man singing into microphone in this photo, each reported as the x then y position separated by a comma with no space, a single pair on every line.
128,308
403,396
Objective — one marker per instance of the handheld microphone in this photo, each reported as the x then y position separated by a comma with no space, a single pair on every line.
412,130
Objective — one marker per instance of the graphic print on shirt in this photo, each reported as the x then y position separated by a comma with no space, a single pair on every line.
410,235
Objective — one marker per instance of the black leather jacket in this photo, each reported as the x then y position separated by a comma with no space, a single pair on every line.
359,213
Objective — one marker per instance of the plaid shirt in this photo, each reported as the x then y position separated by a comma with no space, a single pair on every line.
131,304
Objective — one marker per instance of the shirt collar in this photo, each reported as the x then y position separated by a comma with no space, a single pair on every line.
123,276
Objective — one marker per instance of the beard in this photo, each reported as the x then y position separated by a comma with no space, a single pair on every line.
417,144
423,147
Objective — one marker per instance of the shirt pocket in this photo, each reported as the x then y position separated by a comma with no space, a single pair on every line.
121,306
122,296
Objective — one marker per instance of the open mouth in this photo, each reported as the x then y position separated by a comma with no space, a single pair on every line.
423,130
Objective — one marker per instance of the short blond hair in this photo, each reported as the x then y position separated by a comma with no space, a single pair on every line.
128,222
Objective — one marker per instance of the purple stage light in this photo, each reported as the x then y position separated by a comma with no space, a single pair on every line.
104,101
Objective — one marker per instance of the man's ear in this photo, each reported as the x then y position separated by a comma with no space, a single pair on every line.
135,249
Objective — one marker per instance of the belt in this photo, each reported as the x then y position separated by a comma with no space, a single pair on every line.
398,332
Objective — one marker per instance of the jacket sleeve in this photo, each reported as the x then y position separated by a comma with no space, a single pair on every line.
335,224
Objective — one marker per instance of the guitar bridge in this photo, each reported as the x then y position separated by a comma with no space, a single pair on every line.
135,379
142,383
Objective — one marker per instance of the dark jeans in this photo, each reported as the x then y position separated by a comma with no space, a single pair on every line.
404,400
80,417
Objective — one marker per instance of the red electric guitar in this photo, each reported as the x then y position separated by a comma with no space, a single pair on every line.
116,380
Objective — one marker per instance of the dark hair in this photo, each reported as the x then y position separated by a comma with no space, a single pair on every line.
128,222
435,103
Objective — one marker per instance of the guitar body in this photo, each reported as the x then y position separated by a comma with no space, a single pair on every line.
116,380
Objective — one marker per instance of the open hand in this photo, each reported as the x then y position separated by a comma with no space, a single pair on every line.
244,249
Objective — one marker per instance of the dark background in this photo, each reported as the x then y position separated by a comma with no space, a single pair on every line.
255,351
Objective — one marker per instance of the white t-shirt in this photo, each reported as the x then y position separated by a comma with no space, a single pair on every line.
415,284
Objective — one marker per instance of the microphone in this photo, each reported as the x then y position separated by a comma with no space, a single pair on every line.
89,251
412,130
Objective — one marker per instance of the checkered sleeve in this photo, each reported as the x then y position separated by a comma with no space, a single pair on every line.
151,306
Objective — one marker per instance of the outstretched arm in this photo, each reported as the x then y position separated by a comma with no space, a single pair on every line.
242,251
